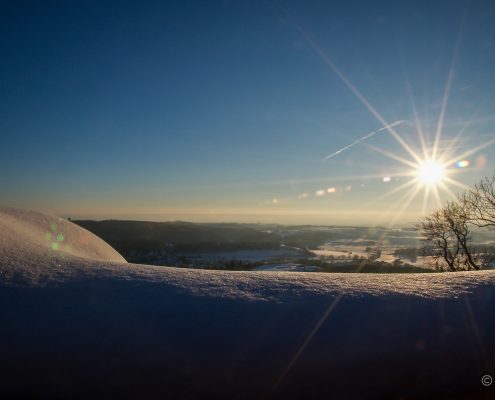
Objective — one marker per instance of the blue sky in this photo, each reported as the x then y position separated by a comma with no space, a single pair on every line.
225,110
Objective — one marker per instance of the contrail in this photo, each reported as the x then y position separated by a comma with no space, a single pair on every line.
383,128
328,61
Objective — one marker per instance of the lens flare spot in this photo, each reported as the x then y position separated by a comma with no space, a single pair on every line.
331,190
53,227
481,161
275,200
386,179
54,246
463,164
320,192
60,237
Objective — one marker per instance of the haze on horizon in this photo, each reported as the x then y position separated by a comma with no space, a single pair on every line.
225,111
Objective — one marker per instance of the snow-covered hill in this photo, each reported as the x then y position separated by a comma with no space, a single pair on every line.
77,321
28,236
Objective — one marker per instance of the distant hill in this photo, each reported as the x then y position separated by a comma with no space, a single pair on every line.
125,235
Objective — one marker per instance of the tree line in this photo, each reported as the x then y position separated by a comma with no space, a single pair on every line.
447,232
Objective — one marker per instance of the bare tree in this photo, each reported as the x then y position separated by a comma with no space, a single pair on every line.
447,232
439,241
479,203
457,218
447,238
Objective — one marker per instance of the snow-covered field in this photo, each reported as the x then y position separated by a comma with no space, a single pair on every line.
339,250
288,267
78,322
243,255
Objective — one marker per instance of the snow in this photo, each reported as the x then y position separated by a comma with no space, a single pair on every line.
78,321
27,236
243,255
288,267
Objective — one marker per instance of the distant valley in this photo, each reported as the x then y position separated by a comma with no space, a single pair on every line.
234,246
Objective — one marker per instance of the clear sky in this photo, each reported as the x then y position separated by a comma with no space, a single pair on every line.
226,110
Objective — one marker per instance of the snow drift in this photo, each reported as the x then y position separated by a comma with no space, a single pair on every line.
78,322
28,236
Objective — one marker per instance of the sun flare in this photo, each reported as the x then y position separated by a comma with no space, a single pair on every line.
430,172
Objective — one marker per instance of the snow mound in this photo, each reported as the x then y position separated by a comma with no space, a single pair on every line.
29,238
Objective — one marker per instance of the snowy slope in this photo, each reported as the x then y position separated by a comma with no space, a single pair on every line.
32,244
28,235
77,321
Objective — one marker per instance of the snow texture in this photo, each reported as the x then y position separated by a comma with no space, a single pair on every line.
77,321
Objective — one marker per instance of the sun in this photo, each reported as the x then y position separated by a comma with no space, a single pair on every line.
430,172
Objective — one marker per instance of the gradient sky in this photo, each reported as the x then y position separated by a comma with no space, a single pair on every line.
224,111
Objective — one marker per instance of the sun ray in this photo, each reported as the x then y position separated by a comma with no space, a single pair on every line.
408,198
448,85
447,189
307,340
436,195
394,207
441,119
397,189
456,183
426,195
329,62
457,138
469,152
453,171
419,129
325,181
394,156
